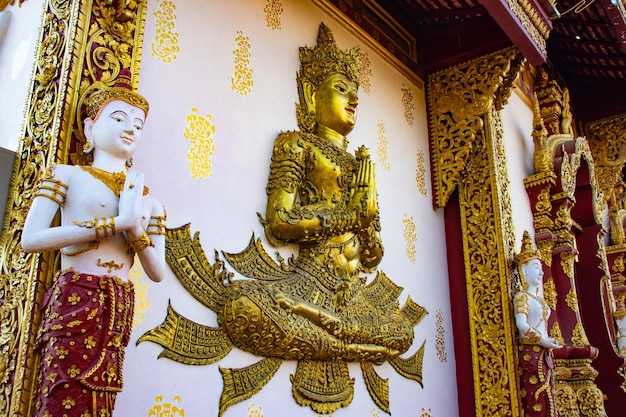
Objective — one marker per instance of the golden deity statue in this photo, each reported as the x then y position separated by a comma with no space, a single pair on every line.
317,308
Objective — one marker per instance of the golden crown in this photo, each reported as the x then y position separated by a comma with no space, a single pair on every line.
326,59
528,251
101,97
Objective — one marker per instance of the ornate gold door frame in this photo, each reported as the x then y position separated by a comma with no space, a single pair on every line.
81,43
467,150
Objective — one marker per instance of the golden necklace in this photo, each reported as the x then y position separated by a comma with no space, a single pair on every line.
114,180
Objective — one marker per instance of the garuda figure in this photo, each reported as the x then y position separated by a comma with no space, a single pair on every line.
316,308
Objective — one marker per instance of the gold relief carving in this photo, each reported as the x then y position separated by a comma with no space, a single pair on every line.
165,45
382,146
199,130
571,300
622,373
618,265
577,394
420,173
377,386
579,338
457,108
532,20
545,248
136,276
566,400
408,104
366,73
590,400
607,141
273,10
567,263
555,333
549,293
542,157
81,44
409,237
468,153
171,409
440,342
5,3
241,81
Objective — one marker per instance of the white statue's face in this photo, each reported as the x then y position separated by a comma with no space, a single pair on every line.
117,130
533,272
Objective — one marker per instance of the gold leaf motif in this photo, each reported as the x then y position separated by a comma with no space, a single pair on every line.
255,411
382,146
549,293
409,237
440,342
408,104
420,173
273,10
241,81
165,45
199,130
426,413
555,333
571,300
163,409
579,338
366,73
136,276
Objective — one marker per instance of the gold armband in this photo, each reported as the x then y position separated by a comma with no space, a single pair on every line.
156,225
105,227
53,189
141,242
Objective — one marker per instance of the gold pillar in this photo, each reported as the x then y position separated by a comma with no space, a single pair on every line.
81,43
468,155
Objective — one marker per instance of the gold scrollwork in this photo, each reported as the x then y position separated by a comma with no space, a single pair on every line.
555,333
382,146
165,44
242,81
420,173
572,300
579,338
408,104
549,293
273,10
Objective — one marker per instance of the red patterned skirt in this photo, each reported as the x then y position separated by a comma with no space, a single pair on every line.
538,381
86,326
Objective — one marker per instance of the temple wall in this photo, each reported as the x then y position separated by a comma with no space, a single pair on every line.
213,39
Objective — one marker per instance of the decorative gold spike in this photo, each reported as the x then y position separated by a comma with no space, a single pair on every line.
241,384
377,387
254,262
188,342
414,312
382,291
410,368
323,385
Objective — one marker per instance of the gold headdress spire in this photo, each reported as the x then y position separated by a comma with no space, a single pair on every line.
528,251
319,63
120,91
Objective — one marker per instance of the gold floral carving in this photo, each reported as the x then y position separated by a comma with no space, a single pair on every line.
533,21
137,276
409,237
567,263
366,73
555,333
468,153
199,130
171,409
577,395
255,411
241,81
165,43
408,104
549,293
607,141
426,413
80,45
572,300
382,146
273,10
420,172
440,342
579,338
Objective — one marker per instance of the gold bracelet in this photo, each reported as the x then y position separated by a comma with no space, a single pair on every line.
105,227
156,225
141,242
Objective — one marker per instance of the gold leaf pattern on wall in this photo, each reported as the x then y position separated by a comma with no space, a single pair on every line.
255,411
420,172
407,103
366,73
426,413
241,81
161,409
382,146
199,130
273,10
136,276
409,237
440,342
165,43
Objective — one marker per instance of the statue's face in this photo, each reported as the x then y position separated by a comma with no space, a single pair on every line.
533,272
336,101
117,130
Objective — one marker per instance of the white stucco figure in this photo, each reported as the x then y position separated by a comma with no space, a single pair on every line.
107,216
